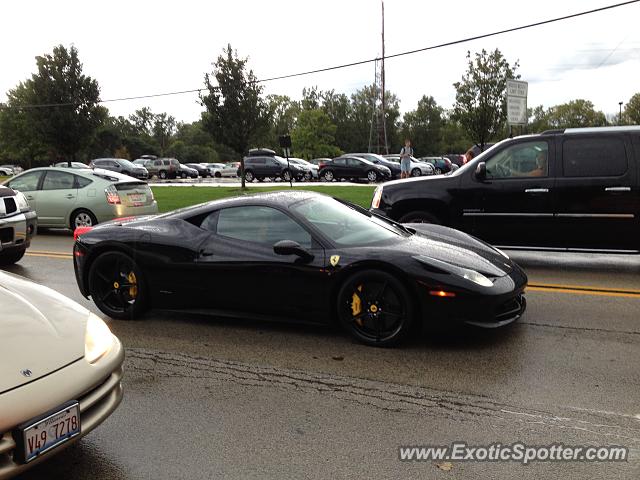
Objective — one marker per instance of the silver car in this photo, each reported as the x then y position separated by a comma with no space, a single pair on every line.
60,373
69,198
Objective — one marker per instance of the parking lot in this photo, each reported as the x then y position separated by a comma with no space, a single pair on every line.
207,397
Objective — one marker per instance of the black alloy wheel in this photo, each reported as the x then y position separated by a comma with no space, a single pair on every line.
375,308
328,176
9,257
117,287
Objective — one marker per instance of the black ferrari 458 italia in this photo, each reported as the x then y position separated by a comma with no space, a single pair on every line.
299,256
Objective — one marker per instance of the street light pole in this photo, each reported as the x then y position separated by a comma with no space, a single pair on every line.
620,116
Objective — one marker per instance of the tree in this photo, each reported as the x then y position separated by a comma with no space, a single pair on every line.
283,113
424,126
235,112
481,106
339,110
69,126
632,110
164,127
362,113
574,114
313,135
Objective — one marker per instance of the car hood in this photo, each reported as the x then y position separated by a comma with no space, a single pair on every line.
42,331
457,248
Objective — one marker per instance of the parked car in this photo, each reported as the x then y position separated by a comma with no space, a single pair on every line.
215,169
455,158
16,169
230,169
576,188
187,172
61,373
417,168
353,168
318,161
18,223
6,171
202,170
121,165
378,160
440,164
74,165
311,169
336,261
63,197
261,167
162,168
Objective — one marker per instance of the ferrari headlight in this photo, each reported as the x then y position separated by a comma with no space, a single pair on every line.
501,252
466,273
22,202
98,339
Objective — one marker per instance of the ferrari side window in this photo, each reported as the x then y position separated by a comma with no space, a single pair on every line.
258,224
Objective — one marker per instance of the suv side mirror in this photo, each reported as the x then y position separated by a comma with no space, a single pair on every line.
289,247
481,171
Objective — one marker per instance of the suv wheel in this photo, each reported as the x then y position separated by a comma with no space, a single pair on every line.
286,176
372,176
249,176
328,176
162,174
420,217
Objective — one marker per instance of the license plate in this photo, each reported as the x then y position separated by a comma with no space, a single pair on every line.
47,432
137,197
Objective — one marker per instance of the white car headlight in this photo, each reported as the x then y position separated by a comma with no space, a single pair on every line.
98,339
22,202
377,196
477,278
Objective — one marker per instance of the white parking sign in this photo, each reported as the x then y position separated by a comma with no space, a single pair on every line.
517,102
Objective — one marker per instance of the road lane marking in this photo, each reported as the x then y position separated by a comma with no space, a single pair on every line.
585,291
39,253
585,287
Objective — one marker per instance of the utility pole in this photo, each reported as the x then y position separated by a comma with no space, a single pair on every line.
378,132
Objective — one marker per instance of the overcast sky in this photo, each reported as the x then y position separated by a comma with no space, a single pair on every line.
143,47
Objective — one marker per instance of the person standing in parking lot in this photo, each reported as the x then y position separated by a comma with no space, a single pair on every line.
405,159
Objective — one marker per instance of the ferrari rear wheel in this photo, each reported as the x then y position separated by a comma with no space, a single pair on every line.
375,308
116,286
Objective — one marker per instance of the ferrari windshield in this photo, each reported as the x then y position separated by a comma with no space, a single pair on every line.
344,225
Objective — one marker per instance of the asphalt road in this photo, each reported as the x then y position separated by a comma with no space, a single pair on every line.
209,398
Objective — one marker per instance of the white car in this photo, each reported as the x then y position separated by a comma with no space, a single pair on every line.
60,373
6,172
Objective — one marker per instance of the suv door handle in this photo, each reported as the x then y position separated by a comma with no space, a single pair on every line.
29,197
536,190
617,189
71,196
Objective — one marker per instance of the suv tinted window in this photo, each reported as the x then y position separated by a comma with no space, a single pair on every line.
254,161
264,225
594,157
525,159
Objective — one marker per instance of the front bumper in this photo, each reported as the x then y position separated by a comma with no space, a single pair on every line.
17,230
97,401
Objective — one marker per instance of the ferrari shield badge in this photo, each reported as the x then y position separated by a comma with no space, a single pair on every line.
334,260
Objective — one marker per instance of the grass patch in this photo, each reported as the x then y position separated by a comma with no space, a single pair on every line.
170,198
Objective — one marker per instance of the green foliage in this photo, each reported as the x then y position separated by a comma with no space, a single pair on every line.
631,114
481,95
313,135
62,130
574,114
235,112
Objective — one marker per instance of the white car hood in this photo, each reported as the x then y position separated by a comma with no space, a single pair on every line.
40,331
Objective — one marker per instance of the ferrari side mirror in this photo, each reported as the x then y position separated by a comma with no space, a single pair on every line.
481,171
289,247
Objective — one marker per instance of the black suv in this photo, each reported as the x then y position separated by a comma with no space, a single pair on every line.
352,167
562,189
261,167
121,166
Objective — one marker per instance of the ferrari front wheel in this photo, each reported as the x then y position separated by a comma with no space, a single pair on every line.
375,308
116,286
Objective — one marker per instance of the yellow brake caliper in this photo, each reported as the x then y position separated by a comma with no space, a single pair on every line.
133,289
356,305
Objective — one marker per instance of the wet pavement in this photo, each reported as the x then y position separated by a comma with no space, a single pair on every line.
209,397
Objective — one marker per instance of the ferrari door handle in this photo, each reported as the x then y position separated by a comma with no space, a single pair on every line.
617,189
536,190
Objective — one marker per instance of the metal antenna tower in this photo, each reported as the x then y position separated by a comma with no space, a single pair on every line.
378,132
